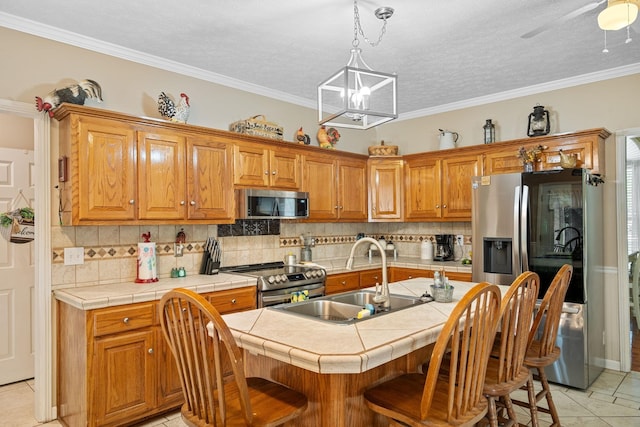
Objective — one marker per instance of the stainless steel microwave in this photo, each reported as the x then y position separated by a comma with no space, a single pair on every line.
272,204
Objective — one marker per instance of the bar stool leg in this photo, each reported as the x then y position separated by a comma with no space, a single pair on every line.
533,404
547,393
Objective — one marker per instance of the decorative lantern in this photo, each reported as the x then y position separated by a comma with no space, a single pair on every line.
489,132
538,122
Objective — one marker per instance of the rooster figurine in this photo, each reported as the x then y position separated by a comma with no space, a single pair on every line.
74,94
327,138
302,137
176,113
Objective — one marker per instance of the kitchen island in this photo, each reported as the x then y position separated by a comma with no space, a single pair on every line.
333,364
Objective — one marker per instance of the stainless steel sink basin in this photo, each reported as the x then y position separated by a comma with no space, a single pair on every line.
323,309
344,308
361,298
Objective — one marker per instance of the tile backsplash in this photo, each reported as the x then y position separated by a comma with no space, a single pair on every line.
110,252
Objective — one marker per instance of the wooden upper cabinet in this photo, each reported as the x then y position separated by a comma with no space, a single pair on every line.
209,188
423,191
319,180
123,171
337,188
385,189
439,188
162,176
102,169
457,172
587,146
258,166
352,190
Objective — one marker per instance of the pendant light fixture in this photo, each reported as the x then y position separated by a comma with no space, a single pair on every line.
618,14
357,96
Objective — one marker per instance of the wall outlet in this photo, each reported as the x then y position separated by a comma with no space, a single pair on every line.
73,256
460,239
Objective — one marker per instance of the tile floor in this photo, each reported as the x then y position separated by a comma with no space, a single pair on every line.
612,401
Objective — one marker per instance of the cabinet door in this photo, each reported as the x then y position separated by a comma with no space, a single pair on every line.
320,182
250,166
423,189
285,170
369,278
342,282
161,176
106,170
385,189
455,275
352,190
402,273
456,185
169,385
123,386
209,187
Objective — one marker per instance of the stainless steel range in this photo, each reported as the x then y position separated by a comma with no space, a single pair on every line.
279,283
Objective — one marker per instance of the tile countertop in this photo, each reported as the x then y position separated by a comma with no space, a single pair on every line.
91,297
337,265
99,296
325,347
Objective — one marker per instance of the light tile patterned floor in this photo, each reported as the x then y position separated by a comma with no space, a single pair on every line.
612,401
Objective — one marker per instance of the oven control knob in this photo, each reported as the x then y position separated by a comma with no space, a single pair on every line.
271,279
283,277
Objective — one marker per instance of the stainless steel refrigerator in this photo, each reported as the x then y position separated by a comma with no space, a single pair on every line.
538,221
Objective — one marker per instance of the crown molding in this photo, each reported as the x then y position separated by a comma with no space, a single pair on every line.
77,40
526,91
56,34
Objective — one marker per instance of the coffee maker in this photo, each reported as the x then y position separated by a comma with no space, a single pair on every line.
444,247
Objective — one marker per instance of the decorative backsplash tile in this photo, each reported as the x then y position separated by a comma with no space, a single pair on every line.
250,227
97,253
332,240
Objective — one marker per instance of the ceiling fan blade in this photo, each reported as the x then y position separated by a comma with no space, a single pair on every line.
559,20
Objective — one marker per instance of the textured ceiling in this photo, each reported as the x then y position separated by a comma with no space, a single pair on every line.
444,52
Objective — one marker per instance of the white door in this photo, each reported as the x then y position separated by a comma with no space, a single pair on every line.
16,271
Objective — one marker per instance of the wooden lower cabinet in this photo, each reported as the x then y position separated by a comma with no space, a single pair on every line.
114,366
403,273
342,282
369,278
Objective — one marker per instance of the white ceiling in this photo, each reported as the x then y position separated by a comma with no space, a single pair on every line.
447,53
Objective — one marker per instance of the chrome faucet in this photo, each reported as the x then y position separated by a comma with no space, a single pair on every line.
382,295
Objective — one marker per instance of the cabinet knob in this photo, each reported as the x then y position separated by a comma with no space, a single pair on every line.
233,301
192,203
341,207
266,172
131,201
437,206
150,351
125,320
344,282
182,203
273,172
444,206
335,207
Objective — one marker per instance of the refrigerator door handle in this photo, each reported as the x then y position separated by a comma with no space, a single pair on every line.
516,231
524,218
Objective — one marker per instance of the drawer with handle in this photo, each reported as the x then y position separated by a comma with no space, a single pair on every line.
123,318
233,300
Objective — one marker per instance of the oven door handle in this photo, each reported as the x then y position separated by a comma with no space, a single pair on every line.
286,297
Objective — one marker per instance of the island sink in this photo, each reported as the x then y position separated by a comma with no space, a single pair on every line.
344,308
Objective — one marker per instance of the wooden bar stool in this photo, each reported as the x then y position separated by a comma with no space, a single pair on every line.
506,371
216,391
451,391
542,350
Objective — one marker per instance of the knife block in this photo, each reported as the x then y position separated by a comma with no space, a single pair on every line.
209,267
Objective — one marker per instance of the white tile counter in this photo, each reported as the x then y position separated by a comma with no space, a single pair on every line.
99,296
325,347
337,265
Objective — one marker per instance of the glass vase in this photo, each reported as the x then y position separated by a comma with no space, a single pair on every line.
528,166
